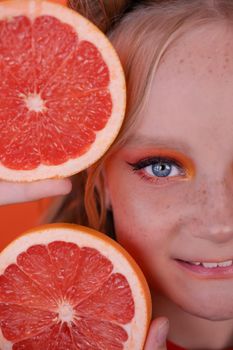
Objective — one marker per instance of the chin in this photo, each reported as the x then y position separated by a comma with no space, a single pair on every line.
208,309
210,314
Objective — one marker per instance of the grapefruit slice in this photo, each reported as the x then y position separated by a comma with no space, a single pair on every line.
62,91
68,287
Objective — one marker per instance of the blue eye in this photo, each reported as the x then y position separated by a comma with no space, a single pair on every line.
162,169
159,167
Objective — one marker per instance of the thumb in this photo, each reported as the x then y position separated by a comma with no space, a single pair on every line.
157,335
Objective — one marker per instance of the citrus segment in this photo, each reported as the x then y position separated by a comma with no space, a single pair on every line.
69,287
24,322
13,280
58,333
63,91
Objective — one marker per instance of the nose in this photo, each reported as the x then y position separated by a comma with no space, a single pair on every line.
212,217
220,233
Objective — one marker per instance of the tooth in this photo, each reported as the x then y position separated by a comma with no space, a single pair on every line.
213,264
209,265
195,263
225,263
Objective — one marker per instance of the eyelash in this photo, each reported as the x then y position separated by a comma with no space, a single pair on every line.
139,167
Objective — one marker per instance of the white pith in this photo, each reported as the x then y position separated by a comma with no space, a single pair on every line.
104,138
213,264
136,329
34,102
66,312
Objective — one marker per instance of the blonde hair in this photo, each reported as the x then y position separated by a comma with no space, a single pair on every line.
141,32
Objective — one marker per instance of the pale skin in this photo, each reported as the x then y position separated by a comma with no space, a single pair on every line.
186,214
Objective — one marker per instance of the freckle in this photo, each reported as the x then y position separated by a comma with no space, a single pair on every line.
181,60
210,70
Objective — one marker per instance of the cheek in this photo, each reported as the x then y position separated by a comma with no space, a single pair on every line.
144,215
147,219
144,235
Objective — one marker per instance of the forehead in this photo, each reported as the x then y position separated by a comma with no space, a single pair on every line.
192,91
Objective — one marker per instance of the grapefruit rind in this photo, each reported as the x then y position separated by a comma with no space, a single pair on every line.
117,88
123,263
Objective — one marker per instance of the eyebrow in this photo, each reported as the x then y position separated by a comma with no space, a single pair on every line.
159,142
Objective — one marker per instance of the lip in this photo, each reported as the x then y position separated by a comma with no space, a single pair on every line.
216,260
203,272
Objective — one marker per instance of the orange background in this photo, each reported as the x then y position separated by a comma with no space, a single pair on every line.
16,219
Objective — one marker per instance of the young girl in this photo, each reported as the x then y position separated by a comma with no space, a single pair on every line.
165,187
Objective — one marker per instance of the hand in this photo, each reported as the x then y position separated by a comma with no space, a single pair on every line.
157,335
25,192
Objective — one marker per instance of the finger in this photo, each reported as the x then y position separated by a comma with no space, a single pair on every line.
157,336
26,192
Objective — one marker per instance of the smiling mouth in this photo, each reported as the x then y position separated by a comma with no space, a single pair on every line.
219,269
211,265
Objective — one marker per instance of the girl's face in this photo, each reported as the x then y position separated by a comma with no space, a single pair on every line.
171,185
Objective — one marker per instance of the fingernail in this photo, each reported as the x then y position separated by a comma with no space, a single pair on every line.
162,333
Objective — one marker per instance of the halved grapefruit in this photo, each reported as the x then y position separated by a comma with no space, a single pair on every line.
67,287
62,91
